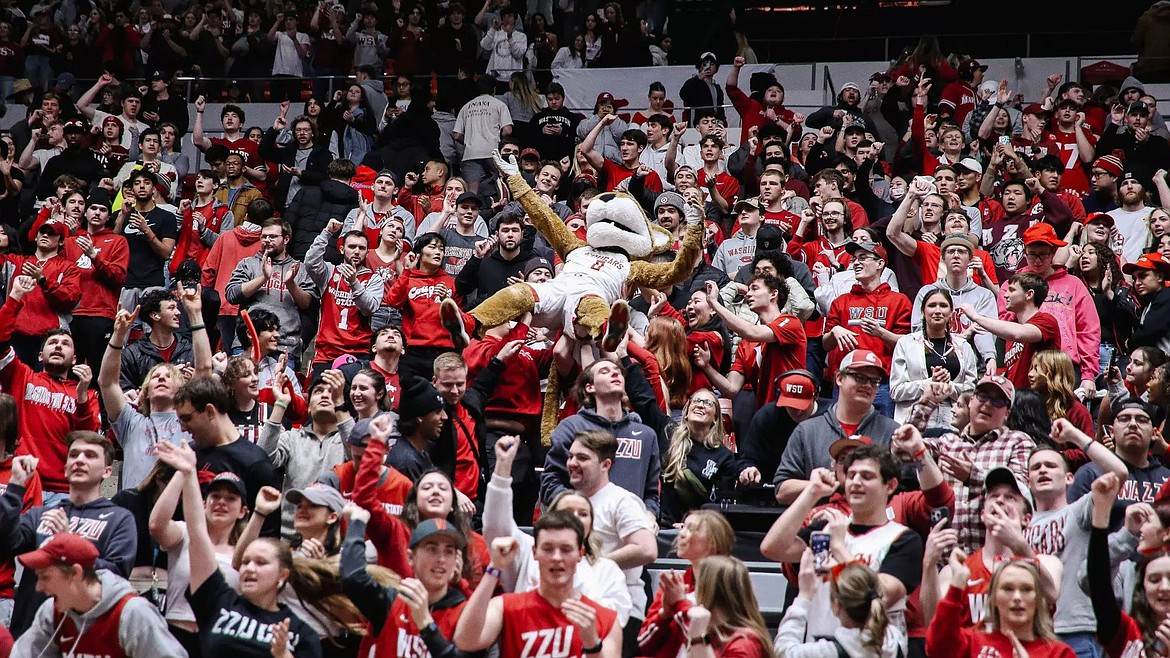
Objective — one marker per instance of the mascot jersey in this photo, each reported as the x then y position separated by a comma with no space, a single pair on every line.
587,271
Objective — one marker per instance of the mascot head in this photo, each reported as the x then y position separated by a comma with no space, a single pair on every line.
615,220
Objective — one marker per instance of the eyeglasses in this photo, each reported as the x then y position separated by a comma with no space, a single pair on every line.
1140,419
832,215
1037,255
862,258
997,402
704,402
864,380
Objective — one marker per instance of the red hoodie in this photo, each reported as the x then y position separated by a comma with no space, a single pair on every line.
102,276
190,244
44,306
517,392
891,309
229,250
47,407
32,498
415,294
421,205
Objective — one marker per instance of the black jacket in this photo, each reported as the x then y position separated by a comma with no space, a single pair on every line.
696,94
315,169
80,163
479,279
1154,326
311,210
141,356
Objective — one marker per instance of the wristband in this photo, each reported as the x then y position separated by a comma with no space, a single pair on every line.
918,455
702,639
282,405
116,347
593,649
493,572
197,327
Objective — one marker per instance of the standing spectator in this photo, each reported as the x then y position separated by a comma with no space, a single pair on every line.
410,44
370,47
702,92
1131,132
372,218
57,291
75,159
159,106
479,126
204,219
630,147
149,151
49,406
607,141
1150,273
852,414
275,281
151,233
961,266
232,117
131,125
930,355
292,48
1131,219
1149,38
769,109
356,122
423,416
314,205
958,98
232,248
302,162
159,311
102,259
111,529
506,47
494,262
348,300
985,443
453,43
1031,330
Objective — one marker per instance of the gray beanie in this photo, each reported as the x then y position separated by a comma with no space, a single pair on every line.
672,199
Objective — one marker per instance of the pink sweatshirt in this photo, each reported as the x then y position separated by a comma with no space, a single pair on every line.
1071,304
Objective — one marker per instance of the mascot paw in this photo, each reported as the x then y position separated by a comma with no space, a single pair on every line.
615,328
452,319
507,167
692,214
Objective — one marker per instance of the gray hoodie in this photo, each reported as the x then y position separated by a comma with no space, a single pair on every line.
273,296
636,468
142,632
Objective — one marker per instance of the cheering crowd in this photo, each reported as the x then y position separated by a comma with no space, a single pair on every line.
927,327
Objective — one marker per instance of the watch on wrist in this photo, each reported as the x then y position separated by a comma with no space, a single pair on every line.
705,638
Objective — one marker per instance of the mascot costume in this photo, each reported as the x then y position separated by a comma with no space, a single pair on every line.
585,298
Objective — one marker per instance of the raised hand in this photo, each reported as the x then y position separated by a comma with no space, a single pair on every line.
21,286
334,225
503,552
279,644
507,167
200,104
268,501
23,468
822,483
84,376
354,512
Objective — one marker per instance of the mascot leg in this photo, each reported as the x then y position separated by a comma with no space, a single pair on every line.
593,319
504,306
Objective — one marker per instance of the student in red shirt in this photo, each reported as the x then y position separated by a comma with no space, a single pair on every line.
101,258
350,295
780,337
755,113
959,97
576,625
55,294
232,118
632,143
721,189
1032,331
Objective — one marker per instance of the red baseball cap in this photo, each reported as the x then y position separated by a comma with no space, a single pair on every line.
1036,109
872,247
55,227
1152,261
1099,217
64,549
855,441
795,390
862,359
1042,233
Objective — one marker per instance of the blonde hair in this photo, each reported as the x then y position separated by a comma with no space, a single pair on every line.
722,583
144,392
858,591
720,535
591,550
524,91
681,441
1055,379
1042,626
667,341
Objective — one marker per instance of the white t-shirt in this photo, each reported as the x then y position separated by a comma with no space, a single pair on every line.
480,122
288,61
617,514
179,577
42,156
1134,231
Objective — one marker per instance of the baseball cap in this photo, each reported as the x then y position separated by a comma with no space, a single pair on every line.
795,390
999,383
959,240
854,125
530,153
862,359
851,85
753,203
63,548
318,494
768,238
360,432
436,527
342,361
75,126
1042,233
970,164
671,200
849,443
1152,261
469,197
111,119
872,247
158,75
1131,402
1003,475
970,66
54,227
1137,106
604,97
880,75
1036,109
229,479
386,173
1099,217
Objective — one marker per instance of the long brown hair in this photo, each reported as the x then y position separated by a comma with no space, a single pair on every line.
1055,379
667,341
1143,613
1042,626
722,583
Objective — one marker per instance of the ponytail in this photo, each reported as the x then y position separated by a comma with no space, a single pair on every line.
858,591
875,625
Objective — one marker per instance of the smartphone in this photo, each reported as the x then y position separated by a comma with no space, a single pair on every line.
1005,140
1112,361
938,514
819,542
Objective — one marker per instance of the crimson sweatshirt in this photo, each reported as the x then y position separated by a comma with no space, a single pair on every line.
101,277
47,407
238,244
517,393
947,637
415,294
891,309
44,306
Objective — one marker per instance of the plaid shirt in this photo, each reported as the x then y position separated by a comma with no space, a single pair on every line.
999,447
